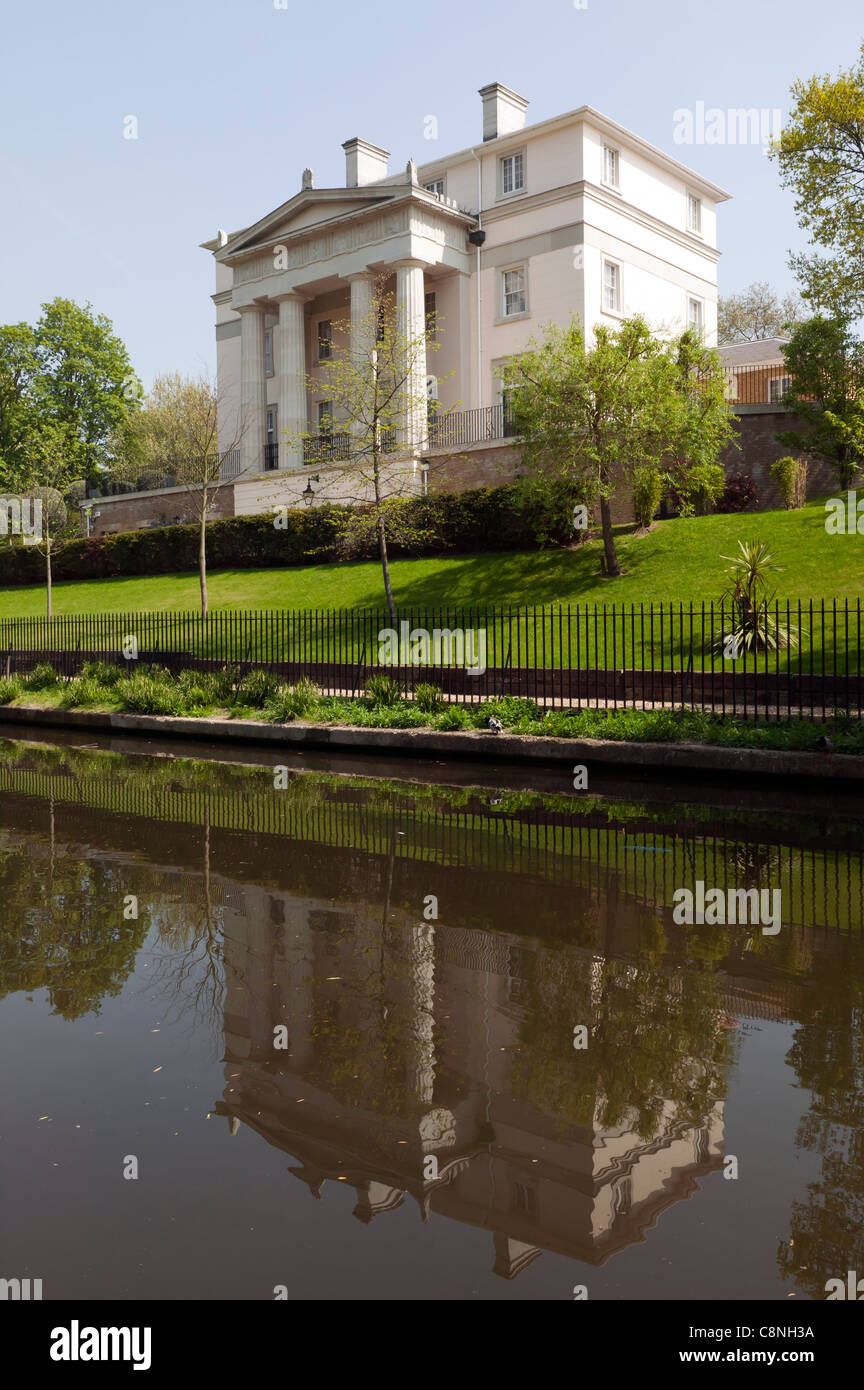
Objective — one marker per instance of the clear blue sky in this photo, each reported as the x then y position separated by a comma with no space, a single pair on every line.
234,97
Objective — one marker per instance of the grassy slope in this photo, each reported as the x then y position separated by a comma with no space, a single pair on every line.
678,561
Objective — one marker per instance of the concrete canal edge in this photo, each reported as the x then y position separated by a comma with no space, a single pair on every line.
474,745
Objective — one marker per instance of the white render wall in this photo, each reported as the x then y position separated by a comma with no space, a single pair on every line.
641,225
560,227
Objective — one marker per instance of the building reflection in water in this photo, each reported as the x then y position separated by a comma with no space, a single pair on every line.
402,1042
434,1061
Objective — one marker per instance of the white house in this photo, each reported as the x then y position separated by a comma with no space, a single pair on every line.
532,224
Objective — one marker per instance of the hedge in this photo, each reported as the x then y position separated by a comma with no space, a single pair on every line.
485,519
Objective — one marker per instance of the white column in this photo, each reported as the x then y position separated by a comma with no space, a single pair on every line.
363,331
422,1039
292,379
362,310
410,304
253,389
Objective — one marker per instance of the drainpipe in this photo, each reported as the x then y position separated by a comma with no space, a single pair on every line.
478,237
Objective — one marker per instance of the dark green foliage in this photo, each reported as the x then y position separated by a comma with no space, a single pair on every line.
257,688
427,697
382,692
454,523
42,677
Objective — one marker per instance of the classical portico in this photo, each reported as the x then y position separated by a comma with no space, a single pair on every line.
329,247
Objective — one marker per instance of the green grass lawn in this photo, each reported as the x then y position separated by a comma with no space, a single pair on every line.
678,561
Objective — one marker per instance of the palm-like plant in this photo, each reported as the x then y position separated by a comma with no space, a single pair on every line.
754,626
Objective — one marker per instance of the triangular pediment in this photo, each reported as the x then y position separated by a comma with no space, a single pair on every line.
313,207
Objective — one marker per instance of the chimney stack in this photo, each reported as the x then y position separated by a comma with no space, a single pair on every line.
503,111
364,163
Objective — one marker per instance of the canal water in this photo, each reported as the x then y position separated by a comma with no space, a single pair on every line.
376,1031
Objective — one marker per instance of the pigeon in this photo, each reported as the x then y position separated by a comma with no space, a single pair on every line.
494,725
824,744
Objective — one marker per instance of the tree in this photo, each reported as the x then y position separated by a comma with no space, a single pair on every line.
46,475
821,157
376,381
756,313
175,434
826,369
593,416
18,367
83,380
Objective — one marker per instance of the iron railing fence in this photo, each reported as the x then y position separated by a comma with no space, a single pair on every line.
819,868
457,428
230,466
795,659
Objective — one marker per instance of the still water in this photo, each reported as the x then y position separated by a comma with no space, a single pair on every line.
330,1025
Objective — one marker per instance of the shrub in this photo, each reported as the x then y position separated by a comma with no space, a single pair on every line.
427,697
510,709
790,475
10,689
382,692
739,495
257,688
393,717
103,672
207,687
454,717
647,491
698,492
300,701
42,677
150,692
702,489
545,508
500,518
84,690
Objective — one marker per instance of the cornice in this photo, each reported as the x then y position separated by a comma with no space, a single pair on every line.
269,235
583,188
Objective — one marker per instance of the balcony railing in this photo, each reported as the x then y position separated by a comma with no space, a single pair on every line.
335,447
230,466
756,383
461,427
327,448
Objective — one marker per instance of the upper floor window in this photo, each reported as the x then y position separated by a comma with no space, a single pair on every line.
694,315
694,213
325,340
436,187
268,351
778,387
430,309
512,173
611,287
610,166
513,285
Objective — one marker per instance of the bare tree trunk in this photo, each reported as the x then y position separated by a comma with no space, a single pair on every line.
202,555
612,566
382,544
48,573
385,566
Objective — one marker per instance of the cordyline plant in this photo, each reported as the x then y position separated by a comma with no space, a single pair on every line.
375,381
594,416
754,626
